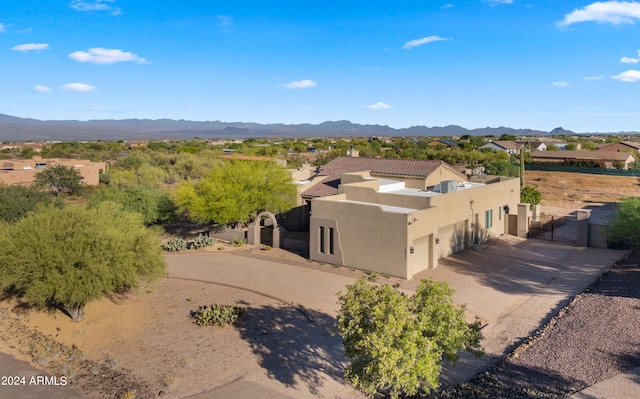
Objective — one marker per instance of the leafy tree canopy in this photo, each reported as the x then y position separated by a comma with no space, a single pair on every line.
530,195
625,228
396,342
71,256
153,203
236,191
59,179
17,201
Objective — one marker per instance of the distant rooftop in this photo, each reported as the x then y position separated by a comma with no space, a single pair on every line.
379,166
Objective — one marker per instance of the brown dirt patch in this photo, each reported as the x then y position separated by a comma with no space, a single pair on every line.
152,343
569,191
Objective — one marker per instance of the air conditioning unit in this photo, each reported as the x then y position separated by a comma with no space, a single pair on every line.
448,186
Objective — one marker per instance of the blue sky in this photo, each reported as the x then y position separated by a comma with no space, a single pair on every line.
516,63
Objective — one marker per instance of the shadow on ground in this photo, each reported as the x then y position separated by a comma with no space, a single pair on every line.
295,345
532,266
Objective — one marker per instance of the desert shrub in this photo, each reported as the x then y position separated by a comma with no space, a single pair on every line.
202,240
66,258
625,227
175,245
216,314
17,201
238,242
130,394
396,343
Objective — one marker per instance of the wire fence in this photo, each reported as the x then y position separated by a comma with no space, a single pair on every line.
582,169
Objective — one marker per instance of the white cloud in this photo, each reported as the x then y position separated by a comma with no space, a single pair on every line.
30,47
424,40
628,60
225,21
379,105
497,2
560,84
597,77
101,55
78,87
41,89
611,12
628,76
300,84
2,28
95,5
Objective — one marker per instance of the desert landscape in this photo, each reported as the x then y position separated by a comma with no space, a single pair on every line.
145,345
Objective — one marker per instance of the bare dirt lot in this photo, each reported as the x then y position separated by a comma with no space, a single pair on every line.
564,192
144,341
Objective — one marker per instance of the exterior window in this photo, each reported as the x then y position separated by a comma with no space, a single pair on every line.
321,239
488,218
331,240
499,213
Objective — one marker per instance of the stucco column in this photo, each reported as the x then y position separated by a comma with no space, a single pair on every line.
433,252
524,217
253,233
582,227
276,237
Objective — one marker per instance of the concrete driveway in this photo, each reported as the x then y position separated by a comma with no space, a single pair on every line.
513,285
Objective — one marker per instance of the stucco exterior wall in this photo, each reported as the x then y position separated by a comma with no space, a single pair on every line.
22,172
357,237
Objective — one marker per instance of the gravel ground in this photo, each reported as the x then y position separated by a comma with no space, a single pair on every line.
596,337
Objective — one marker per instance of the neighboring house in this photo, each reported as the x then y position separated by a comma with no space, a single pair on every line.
605,158
628,146
533,145
398,217
448,144
23,171
560,144
510,147
417,173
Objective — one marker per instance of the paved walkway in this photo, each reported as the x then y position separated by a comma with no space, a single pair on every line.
623,386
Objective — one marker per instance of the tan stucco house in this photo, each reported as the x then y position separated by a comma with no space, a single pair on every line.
399,217
23,171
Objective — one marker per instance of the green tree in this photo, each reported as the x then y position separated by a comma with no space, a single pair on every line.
59,179
530,195
396,342
153,203
68,257
552,147
236,191
17,201
625,228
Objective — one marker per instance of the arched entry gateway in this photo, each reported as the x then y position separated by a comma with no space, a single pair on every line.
255,229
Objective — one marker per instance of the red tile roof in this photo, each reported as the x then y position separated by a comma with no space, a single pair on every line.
377,166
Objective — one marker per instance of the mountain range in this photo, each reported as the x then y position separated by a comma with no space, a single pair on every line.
14,129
